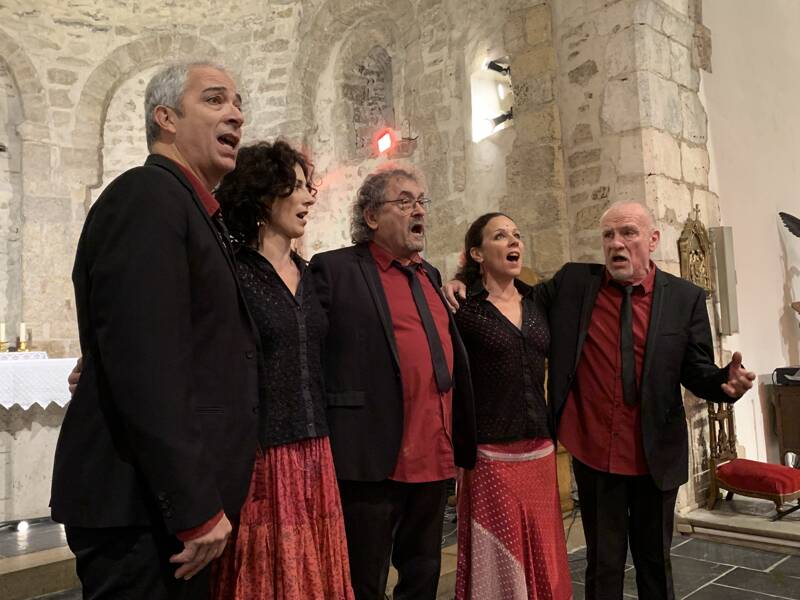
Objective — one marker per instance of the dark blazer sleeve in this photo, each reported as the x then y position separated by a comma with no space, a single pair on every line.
699,372
140,301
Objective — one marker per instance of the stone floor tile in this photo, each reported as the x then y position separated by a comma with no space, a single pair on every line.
688,574
40,536
775,584
737,556
721,592
790,567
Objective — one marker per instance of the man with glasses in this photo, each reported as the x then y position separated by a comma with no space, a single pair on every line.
400,406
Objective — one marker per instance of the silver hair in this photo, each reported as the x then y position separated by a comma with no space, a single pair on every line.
648,212
166,88
372,194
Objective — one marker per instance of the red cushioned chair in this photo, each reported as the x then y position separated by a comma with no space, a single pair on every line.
777,483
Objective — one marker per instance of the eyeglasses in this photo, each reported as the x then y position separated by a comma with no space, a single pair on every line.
406,203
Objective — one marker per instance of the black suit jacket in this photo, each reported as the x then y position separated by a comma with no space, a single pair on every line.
362,372
162,425
678,351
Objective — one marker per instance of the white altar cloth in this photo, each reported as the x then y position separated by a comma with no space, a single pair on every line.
35,381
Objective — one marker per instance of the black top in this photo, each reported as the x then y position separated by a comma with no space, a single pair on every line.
508,366
292,330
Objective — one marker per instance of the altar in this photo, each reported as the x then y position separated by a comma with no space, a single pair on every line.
28,378
33,396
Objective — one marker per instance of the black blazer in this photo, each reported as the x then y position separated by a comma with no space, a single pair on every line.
678,351
161,428
362,372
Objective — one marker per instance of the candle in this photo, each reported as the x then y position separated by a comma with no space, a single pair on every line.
22,332
3,331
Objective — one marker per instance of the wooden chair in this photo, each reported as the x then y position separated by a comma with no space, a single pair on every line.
777,483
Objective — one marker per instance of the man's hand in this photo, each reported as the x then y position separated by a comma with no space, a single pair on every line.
199,552
452,290
75,375
739,379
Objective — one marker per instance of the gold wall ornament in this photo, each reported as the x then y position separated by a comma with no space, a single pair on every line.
694,249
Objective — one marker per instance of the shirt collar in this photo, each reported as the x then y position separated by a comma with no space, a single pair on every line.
206,198
646,284
477,289
260,259
384,258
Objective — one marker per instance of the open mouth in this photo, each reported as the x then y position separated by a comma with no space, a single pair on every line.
513,257
619,260
302,215
418,229
228,139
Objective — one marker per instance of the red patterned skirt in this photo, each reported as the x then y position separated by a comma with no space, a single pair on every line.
510,533
290,542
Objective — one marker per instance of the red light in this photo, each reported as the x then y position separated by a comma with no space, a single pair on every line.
385,141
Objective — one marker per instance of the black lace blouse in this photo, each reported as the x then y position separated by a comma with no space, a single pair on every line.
292,329
507,365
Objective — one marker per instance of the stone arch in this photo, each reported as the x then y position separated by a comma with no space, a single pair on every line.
26,78
364,90
331,24
118,67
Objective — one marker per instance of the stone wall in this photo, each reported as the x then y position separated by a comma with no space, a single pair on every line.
606,108
322,73
635,129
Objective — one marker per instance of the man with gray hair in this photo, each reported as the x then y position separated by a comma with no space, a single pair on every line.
156,449
400,408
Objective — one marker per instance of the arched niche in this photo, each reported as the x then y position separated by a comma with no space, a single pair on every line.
365,88
125,68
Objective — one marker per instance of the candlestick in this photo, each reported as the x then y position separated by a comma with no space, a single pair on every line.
3,331
22,331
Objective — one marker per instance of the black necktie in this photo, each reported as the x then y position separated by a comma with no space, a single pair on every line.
626,346
440,370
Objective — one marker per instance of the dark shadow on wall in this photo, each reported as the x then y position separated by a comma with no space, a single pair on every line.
789,323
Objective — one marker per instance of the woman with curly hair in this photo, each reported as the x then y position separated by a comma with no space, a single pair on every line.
510,535
290,541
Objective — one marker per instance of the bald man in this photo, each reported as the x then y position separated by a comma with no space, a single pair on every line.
625,337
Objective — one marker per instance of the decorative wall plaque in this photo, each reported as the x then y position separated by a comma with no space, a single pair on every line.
694,248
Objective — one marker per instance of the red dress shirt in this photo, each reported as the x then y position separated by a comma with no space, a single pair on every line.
212,206
426,450
209,202
597,427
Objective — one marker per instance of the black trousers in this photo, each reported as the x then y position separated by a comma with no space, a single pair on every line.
131,563
618,508
401,522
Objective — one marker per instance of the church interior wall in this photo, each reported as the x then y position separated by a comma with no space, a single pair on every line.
754,128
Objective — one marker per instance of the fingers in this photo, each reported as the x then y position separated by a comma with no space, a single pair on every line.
452,290
194,558
736,360
75,375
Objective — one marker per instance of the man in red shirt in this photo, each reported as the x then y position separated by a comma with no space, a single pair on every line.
157,445
625,337
399,395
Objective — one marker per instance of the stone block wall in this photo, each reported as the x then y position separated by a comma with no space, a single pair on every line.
321,73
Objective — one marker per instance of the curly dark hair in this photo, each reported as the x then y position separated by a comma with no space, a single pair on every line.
470,271
263,173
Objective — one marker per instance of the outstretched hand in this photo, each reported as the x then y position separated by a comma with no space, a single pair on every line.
739,379
452,290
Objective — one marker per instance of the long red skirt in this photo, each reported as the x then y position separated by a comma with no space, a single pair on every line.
290,542
510,534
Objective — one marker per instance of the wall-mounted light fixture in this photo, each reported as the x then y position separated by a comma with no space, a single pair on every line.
493,65
492,98
388,142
